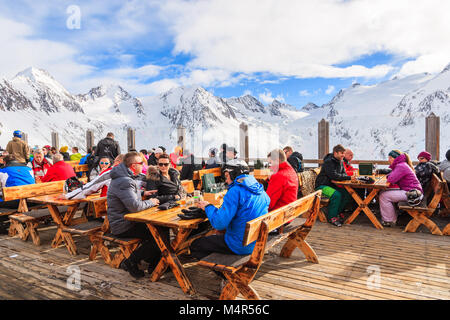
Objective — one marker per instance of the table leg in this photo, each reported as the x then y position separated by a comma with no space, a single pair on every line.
363,206
170,259
62,223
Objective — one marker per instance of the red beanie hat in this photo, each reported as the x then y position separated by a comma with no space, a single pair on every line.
425,155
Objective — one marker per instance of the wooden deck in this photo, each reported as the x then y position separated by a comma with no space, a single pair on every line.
411,266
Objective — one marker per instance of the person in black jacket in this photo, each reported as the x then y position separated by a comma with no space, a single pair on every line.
106,148
333,169
425,169
188,166
163,183
294,158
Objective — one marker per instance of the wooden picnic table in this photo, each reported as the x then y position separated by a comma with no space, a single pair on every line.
153,217
53,202
363,205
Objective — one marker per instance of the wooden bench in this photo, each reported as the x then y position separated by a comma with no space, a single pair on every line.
422,213
217,172
188,186
240,270
31,218
126,245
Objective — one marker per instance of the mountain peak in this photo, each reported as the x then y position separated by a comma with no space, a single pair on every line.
447,68
35,74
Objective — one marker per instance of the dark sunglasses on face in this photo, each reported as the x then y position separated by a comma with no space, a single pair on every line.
163,164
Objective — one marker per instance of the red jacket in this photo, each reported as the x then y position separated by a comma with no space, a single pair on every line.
348,168
40,169
59,171
283,186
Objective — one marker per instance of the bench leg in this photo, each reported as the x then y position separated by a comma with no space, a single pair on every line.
297,240
322,217
13,224
446,230
70,244
239,286
32,229
421,218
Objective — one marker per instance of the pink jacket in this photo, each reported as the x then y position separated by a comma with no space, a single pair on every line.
402,175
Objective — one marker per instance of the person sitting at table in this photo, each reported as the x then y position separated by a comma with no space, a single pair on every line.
294,158
213,161
100,182
425,169
283,183
244,201
163,183
348,157
16,173
59,171
124,196
444,166
403,176
40,164
333,169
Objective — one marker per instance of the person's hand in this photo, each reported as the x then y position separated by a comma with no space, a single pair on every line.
202,204
150,192
177,197
155,201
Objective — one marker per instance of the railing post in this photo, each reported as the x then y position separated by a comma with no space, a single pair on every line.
432,135
243,141
89,139
131,139
181,137
55,140
25,137
323,138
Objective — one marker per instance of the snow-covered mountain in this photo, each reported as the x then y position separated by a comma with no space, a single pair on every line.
371,120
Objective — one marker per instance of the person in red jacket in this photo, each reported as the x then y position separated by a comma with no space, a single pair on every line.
40,164
59,171
348,157
283,184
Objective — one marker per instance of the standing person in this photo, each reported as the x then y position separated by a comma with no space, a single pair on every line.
213,161
295,159
403,176
333,169
18,148
163,183
124,196
107,147
63,150
283,183
75,156
59,171
244,201
40,164
425,169
188,166
444,166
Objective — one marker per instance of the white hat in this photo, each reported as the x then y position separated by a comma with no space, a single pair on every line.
158,150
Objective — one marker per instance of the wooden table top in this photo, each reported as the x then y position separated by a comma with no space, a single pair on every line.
53,199
380,183
167,218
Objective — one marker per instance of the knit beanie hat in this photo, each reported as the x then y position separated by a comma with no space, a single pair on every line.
394,154
425,155
64,149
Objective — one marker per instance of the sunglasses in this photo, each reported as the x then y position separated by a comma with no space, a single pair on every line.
163,164
104,162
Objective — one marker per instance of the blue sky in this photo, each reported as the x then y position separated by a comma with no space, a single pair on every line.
294,51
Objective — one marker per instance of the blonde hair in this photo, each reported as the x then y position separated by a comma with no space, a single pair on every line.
408,158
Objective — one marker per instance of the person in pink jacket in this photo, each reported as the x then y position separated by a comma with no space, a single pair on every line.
403,176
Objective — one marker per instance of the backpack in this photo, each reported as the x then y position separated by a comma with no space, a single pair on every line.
72,184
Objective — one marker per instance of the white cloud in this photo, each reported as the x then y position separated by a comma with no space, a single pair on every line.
307,38
330,89
304,93
266,97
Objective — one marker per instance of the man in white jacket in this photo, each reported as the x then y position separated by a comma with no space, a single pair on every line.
96,184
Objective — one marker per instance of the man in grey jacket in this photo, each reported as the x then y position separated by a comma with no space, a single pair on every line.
125,196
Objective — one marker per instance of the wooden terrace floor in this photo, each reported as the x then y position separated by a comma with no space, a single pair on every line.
411,266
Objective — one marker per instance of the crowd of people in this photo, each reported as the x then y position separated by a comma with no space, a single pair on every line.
142,179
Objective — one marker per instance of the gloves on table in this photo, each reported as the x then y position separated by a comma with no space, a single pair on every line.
168,205
365,179
192,213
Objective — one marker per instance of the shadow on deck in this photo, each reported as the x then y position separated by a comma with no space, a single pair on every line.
356,262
